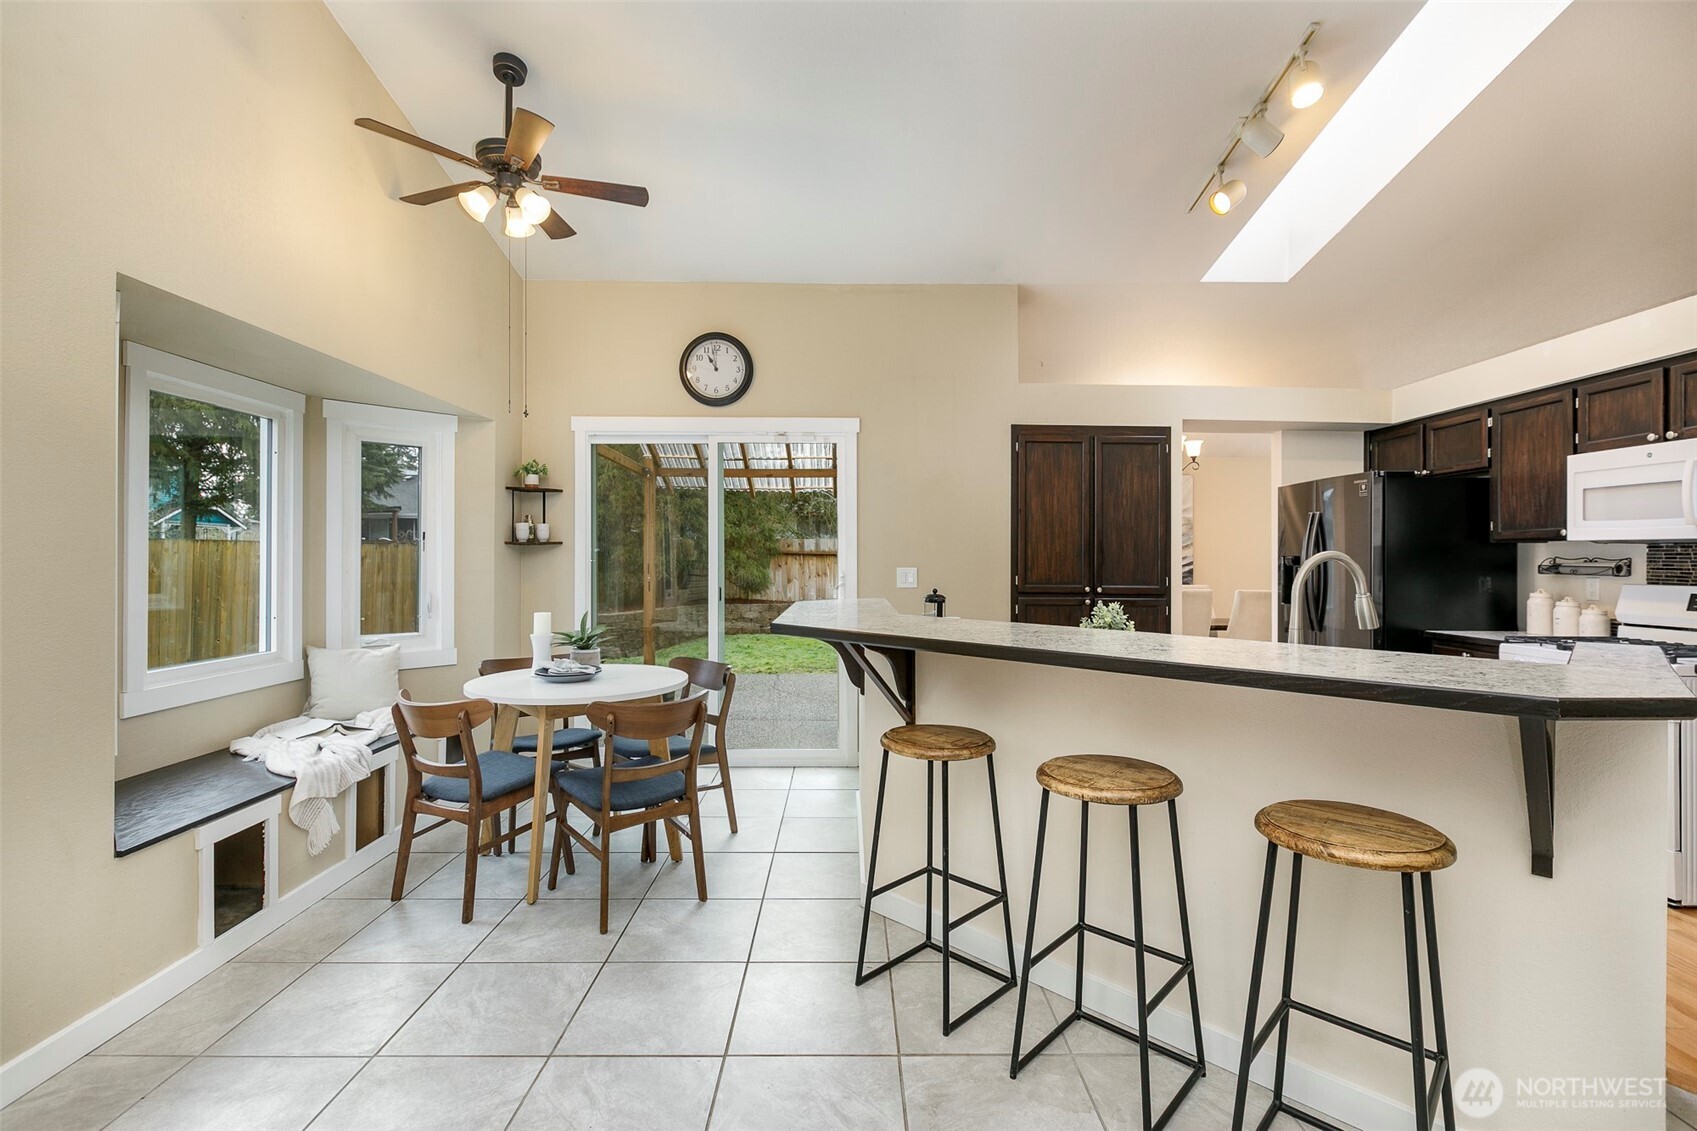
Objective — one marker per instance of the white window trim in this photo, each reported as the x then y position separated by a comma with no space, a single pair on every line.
347,425
146,371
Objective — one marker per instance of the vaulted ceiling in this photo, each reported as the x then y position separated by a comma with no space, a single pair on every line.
1057,146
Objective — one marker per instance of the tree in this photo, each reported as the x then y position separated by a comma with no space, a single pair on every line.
200,458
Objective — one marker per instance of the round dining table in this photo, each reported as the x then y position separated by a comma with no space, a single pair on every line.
521,692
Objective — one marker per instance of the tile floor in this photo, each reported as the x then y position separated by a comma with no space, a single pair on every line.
738,1013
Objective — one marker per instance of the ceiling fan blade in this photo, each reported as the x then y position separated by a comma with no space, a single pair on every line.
556,228
524,140
377,127
432,196
599,190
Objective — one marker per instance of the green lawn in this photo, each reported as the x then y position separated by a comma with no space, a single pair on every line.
755,654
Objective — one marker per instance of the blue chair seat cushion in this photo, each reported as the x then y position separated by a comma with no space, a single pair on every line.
565,738
501,773
637,748
584,784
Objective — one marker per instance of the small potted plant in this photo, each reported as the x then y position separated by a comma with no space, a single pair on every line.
585,642
1109,614
531,471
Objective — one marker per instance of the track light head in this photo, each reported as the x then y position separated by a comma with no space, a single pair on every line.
1261,135
1307,84
1227,197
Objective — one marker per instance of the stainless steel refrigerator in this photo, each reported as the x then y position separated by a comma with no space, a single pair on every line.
1424,543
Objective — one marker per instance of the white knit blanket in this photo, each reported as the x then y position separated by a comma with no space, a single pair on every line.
324,757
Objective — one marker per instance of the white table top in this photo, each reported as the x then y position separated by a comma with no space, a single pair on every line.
616,683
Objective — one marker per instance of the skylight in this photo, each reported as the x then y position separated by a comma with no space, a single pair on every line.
1449,52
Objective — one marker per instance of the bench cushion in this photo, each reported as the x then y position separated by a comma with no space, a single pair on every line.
585,785
565,738
501,772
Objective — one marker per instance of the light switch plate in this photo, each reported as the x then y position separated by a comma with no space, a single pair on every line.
1593,589
907,577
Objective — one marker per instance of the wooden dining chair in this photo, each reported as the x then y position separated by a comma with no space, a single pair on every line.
620,793
704,675
468,791
569,742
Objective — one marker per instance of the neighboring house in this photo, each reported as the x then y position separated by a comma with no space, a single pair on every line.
215,524
393,515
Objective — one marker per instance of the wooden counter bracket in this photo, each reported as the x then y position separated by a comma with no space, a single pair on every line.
901,671
1537,760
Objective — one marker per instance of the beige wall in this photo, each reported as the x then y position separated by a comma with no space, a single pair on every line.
224,168
931,372
1232,530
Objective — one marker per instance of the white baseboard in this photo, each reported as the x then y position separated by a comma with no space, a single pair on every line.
1329,1095
87,1033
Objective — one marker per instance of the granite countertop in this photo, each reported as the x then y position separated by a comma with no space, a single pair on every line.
1602,681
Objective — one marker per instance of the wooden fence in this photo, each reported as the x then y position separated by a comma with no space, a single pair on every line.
204,599
802,570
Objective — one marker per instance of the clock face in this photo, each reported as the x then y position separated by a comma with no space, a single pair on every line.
716,369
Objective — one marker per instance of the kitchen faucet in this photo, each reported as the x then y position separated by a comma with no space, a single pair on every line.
1366,613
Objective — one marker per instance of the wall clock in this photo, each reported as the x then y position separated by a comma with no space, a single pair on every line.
716,369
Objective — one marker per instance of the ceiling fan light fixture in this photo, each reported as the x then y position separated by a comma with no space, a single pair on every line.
533,206
477,202
1227,197
1307,84
516,225
1261,135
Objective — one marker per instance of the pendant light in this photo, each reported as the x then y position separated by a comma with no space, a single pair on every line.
533,206
477,202
516,225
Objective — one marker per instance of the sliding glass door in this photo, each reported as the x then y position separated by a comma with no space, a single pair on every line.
691,544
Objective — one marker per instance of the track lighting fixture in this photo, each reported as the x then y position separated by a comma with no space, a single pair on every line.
1259,134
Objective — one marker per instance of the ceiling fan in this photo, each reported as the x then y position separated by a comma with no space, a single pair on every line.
512,165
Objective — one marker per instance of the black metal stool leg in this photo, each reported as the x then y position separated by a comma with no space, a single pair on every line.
1030,939
1184,935
1438,1033
930,840
860,975
1083,875
1248,1055
948,950
1001,861
1417,1036
1142,986
1290,973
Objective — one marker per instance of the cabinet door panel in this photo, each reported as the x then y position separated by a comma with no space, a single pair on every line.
1133,504
1051,537
1397,449
1149,616
1534,437
1622,410
1050,609
1458,442
1682,398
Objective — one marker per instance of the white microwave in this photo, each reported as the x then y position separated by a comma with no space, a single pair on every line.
1640,494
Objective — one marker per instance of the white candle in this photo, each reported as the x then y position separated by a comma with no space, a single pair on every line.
542,622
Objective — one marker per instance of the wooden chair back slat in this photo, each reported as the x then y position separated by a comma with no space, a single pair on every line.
508,664
653,723
452,720
711,675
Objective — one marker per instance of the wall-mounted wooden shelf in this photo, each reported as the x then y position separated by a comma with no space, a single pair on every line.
513,494
537,490
510,542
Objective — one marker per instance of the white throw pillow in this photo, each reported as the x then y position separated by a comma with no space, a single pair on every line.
347,681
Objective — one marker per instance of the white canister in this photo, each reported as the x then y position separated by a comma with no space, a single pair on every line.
542,532
1593,621
521,531
1566,618
1540,613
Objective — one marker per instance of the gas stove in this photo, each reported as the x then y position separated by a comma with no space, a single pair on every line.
1661,616
1677,652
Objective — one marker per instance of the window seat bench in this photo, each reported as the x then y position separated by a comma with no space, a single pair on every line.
159,804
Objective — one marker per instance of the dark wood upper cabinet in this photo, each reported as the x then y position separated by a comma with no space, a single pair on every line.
1458,442
1682,399
1622,410
1402,448
1052,501
1132,509
1534,437
1091,516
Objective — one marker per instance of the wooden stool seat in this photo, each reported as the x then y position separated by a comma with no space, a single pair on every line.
1358,836
1108,779
934,743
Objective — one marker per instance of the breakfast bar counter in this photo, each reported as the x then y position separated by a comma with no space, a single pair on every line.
1569,759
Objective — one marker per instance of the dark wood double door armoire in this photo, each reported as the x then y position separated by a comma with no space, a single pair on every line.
1092,521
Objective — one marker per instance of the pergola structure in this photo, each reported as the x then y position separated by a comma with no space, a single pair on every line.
755,466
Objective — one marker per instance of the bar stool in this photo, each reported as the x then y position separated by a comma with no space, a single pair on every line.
933,744
1106,779
1355,836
